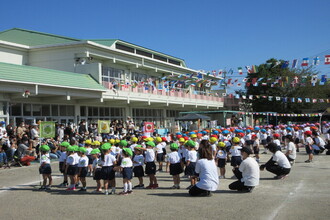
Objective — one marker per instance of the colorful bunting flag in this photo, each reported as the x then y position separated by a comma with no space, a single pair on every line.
240,70
295,63
316,61
327,59
305,62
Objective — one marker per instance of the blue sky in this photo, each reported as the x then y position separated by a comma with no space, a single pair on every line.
207,34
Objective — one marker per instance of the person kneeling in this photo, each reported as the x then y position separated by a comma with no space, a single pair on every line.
247,174
278,163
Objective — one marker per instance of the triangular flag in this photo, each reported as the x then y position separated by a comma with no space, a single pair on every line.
305,62
327,59
240,70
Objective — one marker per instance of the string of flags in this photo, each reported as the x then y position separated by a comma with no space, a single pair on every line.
295,63
282,114
278,98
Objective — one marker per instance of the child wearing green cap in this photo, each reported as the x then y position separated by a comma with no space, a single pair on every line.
127,171
97,169
45,168
83,167
71,167
108,174
191,164
62,163
150,164
174,162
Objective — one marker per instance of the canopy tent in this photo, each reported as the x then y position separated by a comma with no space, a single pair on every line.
193,117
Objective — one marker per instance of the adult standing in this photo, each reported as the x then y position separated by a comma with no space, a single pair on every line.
248,173
278,163
208,173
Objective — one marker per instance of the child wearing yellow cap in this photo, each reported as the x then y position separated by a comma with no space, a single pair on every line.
236,157
221,159
138,161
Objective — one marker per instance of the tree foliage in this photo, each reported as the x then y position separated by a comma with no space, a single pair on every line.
273,69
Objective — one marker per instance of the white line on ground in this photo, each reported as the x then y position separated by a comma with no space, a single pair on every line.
5,189
274,214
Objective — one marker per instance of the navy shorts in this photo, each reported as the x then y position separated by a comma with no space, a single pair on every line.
256,150
83,172
45,169
309,150
235,161
190,169
249,142
264,142
97,174
61,167
221,163
138,171
73,170
127,173
150,168
107,173
175,169
160,157
90,159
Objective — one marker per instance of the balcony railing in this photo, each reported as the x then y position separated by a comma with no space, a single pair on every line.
172,93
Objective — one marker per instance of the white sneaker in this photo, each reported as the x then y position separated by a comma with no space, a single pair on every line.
221,177
106,192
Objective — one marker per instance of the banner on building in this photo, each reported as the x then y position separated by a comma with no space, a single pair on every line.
149,127
103,126
47,129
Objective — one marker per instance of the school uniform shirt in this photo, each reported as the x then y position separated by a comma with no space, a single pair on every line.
126,162
139,159
234,151
133,146
174,157
192,156
242,142
45,158
263,136
309,141
150,155
113,151
208,174
250,172
281,159
248,137
83,161
89,150
292,147
76,158
319,142
214,147
108,160
256,143
221,154
62,157
96,163
277,142
159,148
70,160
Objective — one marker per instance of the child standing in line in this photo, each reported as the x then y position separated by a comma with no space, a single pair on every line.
191,164
62,163
159,153
221,159
138,161
174,162
71,168
107,172
83,167
256,143
88,154
236,157
126,168
76,158
45,168
150,164
97,169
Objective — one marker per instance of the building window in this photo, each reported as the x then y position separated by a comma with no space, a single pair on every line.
45,110
124,48
157,57
174,62
110,74
16,109
139,77
83,111
143,53
54,110
27,109
36,110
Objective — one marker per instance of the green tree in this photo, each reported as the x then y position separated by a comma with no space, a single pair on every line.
275,80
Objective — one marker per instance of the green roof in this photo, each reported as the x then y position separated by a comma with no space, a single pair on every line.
105,42
37,75
33,38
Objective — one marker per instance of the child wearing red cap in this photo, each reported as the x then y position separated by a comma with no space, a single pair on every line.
308,143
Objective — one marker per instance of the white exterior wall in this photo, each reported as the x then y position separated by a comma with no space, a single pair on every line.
12,56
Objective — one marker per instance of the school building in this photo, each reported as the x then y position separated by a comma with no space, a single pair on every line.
49,77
